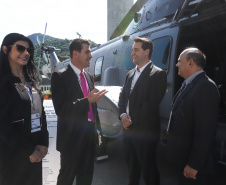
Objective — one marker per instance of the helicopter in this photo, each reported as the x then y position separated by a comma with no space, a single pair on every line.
52,62
172,26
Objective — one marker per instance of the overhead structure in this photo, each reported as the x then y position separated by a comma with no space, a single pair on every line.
122,26
116,11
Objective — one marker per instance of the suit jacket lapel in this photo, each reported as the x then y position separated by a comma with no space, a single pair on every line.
89,82
129,80
74,81
175,97
145,72
186,90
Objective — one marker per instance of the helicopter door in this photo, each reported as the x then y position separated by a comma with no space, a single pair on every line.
164,56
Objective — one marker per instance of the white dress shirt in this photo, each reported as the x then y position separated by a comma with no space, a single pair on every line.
77,72
135,78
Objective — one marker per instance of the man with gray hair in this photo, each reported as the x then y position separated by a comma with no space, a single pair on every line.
193,123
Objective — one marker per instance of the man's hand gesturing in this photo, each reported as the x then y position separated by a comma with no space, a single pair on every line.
94,96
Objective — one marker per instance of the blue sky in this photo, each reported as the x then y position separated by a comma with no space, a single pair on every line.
64,18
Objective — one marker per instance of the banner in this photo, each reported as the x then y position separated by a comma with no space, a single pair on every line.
51,163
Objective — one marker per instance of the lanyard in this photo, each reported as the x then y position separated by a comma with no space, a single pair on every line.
30,91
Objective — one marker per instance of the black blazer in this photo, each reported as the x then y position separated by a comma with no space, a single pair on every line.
193,126
71,108
145,98
15,122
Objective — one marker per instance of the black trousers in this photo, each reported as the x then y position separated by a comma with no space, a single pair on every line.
170,174
17,170
141,159
79,161
201,179
68,172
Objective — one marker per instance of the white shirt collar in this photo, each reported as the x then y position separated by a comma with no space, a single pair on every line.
143,67
76,70
190,78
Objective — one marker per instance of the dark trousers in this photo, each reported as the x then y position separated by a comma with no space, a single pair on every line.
79,161
201,179
68,172
170,174
18,170
140,158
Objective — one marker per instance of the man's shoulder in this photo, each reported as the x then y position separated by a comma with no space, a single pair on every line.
64,70
157,69
202,78
61,71
207,81
202,83
131,71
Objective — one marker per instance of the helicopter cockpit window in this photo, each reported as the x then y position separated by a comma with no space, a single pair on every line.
161,50
98,69
128,60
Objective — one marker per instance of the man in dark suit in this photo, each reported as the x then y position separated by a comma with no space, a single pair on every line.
74,99
192,126
139,102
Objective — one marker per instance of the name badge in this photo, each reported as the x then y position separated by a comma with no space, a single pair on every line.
35,122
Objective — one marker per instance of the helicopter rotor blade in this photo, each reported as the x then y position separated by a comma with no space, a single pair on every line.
39,61
44,34
39,43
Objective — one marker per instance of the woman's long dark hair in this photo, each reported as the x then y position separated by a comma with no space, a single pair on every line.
30,71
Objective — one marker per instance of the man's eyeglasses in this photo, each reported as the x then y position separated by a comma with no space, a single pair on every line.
21,48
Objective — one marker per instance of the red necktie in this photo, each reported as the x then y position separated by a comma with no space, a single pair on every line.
85,90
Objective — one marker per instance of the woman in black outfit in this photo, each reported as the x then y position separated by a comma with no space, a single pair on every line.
23,128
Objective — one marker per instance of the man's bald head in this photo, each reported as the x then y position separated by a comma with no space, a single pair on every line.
197,55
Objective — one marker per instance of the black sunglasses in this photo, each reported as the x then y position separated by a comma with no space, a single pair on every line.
21,48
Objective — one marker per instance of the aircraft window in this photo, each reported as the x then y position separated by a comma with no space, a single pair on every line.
160,56
98,69
128,60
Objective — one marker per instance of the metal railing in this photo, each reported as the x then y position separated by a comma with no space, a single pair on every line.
46,89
